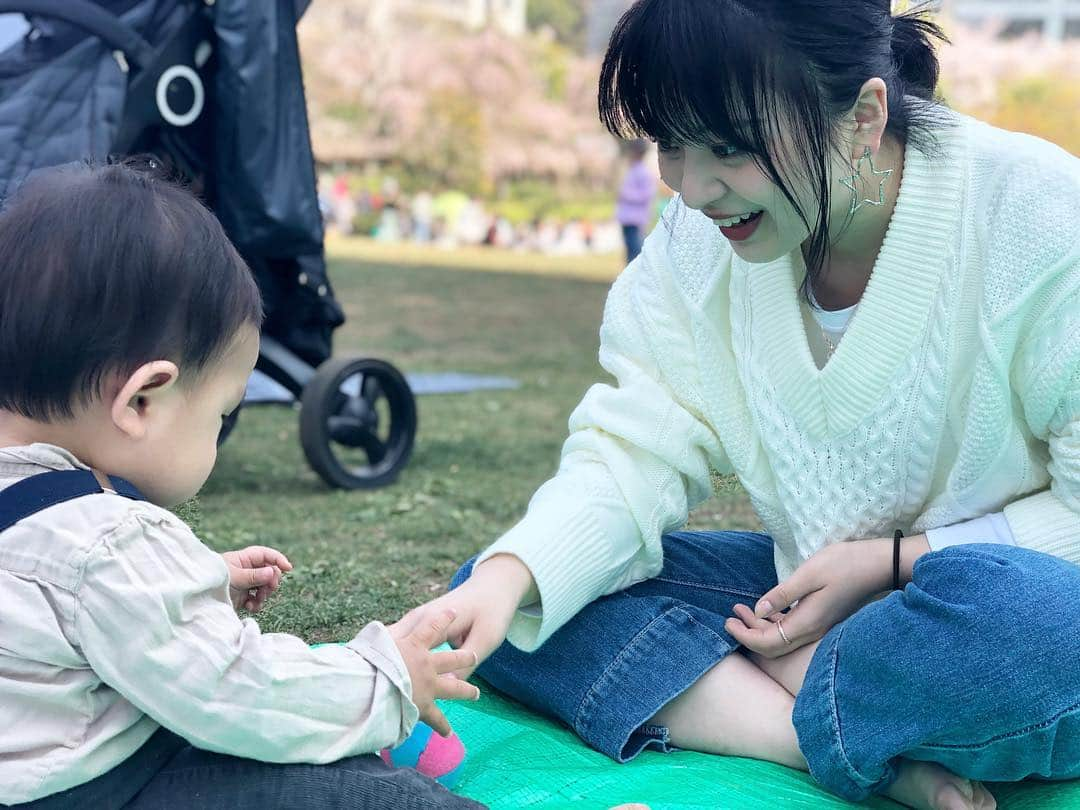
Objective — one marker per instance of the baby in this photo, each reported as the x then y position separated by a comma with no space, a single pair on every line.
128,328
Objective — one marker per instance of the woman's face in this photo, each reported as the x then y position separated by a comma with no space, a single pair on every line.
748,207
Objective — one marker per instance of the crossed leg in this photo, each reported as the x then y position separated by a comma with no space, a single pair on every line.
742,707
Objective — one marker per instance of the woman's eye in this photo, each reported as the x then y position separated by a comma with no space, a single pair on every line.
667,148
725,150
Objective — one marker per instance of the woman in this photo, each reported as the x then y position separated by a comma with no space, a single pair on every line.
867,308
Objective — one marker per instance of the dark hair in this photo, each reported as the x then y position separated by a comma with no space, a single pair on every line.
104,268
705,71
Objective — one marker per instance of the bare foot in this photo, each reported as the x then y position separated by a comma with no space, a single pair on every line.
928,786
631,807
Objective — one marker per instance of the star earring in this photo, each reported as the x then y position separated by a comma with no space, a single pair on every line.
851,183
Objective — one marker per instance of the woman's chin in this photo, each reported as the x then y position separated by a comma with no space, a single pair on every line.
757,253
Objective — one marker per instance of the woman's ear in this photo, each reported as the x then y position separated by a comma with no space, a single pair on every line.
871,116
134,400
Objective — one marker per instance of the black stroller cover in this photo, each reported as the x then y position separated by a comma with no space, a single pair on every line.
67,94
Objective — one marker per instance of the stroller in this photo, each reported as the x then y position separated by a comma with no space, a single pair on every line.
213,89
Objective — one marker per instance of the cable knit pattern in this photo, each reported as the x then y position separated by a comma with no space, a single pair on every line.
955,392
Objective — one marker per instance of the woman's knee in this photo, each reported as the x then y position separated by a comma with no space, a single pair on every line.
981,644
1002,582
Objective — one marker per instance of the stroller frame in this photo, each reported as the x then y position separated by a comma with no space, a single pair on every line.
338,399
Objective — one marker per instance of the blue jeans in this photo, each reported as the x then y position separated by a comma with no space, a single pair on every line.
632,240
168,773
975,665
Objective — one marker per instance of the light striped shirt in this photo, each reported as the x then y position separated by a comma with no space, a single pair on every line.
115,619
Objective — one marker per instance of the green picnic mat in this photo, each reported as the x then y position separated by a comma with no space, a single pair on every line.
517,759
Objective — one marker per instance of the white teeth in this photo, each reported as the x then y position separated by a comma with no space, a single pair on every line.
729,223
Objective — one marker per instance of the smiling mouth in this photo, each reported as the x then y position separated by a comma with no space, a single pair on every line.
725,221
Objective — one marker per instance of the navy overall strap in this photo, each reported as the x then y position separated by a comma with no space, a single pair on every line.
30,495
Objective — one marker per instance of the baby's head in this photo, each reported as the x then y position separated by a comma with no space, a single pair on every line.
128,324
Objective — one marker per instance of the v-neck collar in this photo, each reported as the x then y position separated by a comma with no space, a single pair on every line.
892,314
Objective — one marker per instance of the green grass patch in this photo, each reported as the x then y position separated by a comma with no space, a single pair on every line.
370,555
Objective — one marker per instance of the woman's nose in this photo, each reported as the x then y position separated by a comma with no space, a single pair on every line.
701,183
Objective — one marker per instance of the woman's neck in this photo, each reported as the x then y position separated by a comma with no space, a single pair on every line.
851,260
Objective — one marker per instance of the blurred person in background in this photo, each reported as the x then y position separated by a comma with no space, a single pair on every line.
636,194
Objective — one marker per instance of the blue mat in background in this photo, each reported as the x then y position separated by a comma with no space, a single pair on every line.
262,389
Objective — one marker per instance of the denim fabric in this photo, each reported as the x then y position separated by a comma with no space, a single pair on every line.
609,670
632,238
976,665
167,773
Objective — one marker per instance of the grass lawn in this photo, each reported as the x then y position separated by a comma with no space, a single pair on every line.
372,555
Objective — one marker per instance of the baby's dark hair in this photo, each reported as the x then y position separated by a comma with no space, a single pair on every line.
104,268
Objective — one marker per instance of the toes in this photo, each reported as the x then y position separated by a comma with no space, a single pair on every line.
984,799
950,797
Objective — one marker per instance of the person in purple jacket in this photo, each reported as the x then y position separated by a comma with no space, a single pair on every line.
636,195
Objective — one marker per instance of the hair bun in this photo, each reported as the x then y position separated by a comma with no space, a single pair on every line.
913,51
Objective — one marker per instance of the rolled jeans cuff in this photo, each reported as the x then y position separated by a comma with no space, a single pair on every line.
614,718
820,733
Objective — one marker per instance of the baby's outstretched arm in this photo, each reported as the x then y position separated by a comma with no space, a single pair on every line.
152,622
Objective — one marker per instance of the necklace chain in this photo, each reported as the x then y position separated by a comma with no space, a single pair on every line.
830,346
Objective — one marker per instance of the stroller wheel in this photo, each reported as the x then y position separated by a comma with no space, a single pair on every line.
357,422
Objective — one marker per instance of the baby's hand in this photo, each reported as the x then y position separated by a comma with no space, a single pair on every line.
254,573
431,673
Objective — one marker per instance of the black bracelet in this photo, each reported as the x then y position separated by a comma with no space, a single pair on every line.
896,560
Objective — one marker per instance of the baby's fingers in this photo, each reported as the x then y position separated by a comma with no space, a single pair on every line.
257,598
454,660
434,717
432,629
450,688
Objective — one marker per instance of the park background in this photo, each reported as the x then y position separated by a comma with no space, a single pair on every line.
485,111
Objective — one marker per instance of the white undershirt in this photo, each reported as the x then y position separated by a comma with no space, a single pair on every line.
993,528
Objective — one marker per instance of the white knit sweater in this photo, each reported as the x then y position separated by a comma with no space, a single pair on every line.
955,392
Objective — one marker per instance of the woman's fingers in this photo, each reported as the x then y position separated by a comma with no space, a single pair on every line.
746,615
480,639
763,636
782,596
753,633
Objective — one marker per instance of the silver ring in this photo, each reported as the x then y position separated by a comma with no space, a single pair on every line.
783,635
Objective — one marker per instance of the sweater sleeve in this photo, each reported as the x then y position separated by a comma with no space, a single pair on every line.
993,528
1049,388
154,622
639,457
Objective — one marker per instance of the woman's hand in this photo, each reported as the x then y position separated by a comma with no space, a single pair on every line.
483,607
829,587
254,573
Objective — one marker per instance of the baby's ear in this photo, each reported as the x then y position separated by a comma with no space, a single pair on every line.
137,394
